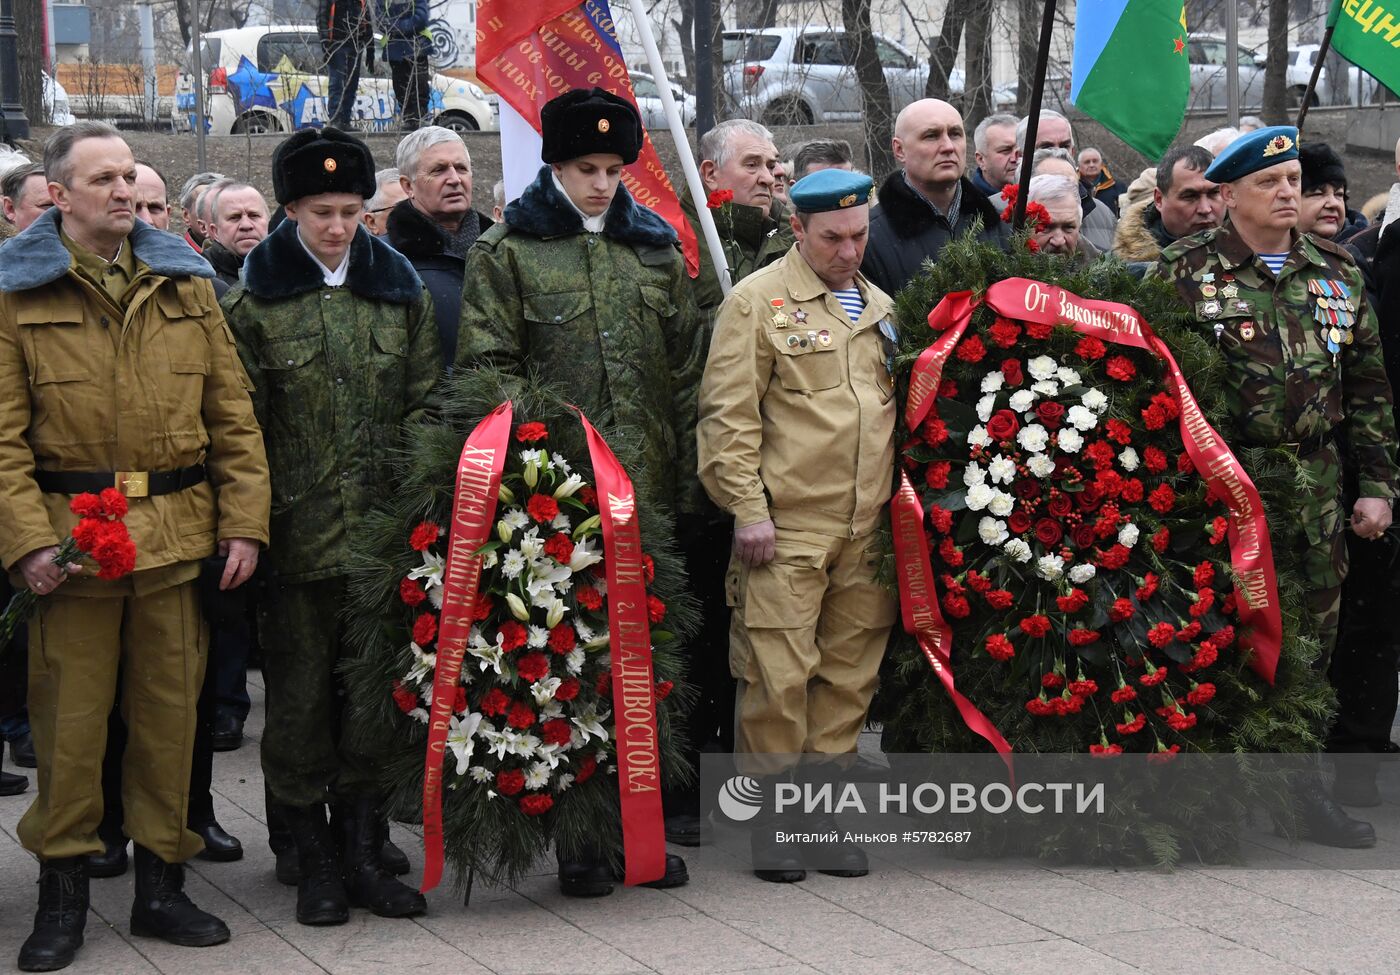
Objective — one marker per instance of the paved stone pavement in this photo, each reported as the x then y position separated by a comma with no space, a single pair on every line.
1293,909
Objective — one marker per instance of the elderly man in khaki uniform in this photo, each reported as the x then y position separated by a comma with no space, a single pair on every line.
796,441
121,373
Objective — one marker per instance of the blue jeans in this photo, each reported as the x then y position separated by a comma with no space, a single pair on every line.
343,68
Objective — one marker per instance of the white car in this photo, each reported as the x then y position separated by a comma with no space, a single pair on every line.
57,110
272,79
1300,66
649,102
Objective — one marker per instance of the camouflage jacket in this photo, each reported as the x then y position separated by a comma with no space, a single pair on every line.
751,240
336,373
606,316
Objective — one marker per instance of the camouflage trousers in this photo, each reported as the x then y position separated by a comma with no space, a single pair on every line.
309,755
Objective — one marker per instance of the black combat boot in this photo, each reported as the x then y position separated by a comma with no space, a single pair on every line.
60,919
367,882
395,860
112,861
320,891
163,910
839,857
1321,820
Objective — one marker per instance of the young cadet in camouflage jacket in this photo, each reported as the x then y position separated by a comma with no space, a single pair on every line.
1306,364
340,357
585,288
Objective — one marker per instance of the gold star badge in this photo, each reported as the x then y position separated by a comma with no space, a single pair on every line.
329,164
1278,144
604,125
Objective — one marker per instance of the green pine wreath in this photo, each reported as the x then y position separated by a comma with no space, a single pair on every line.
495,821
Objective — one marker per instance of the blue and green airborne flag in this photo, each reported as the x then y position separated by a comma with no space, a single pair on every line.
1368,36
1131,70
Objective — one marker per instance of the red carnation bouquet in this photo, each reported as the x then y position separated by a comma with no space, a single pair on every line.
100,535
1076,548
532,712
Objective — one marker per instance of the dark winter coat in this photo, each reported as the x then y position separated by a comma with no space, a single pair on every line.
1377,253
226,265
904,231
403,23
1141,235
414,235
339,21
608,317
336,373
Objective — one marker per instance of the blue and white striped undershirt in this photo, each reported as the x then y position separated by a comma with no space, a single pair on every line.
852,302
1274,261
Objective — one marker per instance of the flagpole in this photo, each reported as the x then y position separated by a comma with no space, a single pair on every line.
1047,29
677,127
1318,58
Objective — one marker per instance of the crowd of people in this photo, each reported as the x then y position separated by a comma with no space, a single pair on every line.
246,388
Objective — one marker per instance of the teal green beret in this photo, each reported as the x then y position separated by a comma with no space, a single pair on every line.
1254,151
830,189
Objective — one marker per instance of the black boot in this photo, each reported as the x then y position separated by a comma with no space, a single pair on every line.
60,919
320,891
840,858
22,751
585,874
1321,820
367,883
112,861
219,846
394,860
163,910
10,784
676,875
279,840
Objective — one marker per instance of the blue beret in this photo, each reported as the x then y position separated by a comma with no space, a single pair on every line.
830,189
1254,151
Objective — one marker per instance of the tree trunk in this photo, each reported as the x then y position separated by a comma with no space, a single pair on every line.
182,17
685,30
943,52
874,89
757,13
1027,47
29,24
977,93
1276,66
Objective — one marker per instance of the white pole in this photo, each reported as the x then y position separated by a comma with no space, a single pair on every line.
673,121
1232,63
148,62
52,43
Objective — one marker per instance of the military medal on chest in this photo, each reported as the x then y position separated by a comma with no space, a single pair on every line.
800,317
1208,289
780,317
1335,313
1229,290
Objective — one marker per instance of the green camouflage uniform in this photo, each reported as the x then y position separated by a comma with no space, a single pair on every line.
1288,390
337,372
751,240
607,316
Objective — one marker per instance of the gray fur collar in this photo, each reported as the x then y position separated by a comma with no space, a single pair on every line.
37,256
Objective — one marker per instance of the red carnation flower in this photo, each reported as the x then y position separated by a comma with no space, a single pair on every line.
537,804
1163,755
1201,694
568,689
1154,678
1004,333
1011,372
1115,558
978,582
531,432
1003,425
1162,498
557,731
1132,727
1205,657
648,569
405,699
656,609
663,690
588,496
1121,610
1132,491
1154,459
113,550
113,503
947,389
1161,538
1121,368
484,605
1100,454
87,506
1148,589
1224,637
1104,751
586,768
971,349
423,536
1052,681
509,782
1154,417
425,629
532,666
1161,634
718,198
562,638
411,592
1204,574
1038,330
1219,528
1076,600
520,715
542,508
85,533
1090,348
1083,688
560,547
1082,638
589,597
936,474
999,599
1119,432
1205,599
956,606
1181,721
513,635
1123,695
999,647
494,702
1035,626
1040,707
935,432
459,700
1184,464
1189,632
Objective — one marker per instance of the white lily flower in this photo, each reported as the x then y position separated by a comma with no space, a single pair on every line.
423,664
587,553
460,740
550,755
551,710
555,615
590,723
531,545
489,560
518,609
569,487
431,570
488,655
543,690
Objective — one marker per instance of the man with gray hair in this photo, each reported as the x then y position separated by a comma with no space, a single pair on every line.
1098,223
1059,232
24,193
996,151
436,225
189,203
1093,172
388,193
238,223
815,154
1052,132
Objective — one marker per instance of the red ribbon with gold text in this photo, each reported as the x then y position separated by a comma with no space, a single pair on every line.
918,604
1251,553
634,686
473,512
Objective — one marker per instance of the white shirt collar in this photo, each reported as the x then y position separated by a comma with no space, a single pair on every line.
593,225
336,278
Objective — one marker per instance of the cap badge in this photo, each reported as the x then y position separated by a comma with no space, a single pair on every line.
604,125
1278,144
330,164
848,200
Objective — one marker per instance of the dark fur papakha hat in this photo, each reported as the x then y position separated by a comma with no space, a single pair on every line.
1321,166
325,160
579,123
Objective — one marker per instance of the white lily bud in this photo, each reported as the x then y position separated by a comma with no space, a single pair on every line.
507,496
518,609
570,486
503,532
532,474
588,526
555,615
